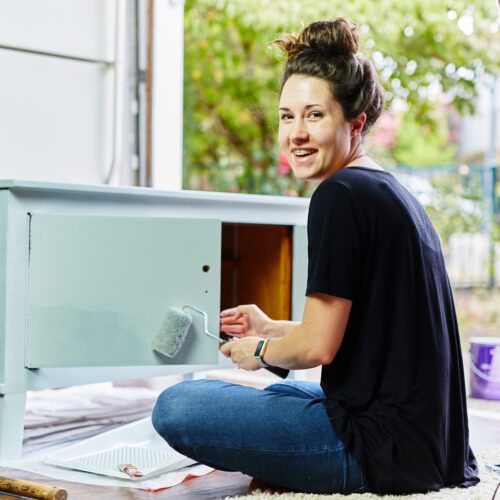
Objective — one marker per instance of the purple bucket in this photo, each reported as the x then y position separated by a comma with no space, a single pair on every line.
485,367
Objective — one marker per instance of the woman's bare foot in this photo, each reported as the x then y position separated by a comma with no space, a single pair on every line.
257,484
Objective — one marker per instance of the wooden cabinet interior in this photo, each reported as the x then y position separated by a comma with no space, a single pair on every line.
257,267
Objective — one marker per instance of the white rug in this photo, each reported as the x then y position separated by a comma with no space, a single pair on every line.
482,491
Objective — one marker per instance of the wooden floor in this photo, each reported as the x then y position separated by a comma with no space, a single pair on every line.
216,485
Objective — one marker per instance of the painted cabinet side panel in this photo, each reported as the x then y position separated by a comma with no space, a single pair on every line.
12,408
4,194
99,288
299,271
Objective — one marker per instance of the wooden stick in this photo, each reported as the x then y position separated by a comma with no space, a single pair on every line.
32,490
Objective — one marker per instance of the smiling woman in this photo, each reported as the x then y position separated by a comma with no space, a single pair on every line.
328,104
389,415
313,132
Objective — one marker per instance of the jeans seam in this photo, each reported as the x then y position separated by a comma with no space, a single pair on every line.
314,396
260,450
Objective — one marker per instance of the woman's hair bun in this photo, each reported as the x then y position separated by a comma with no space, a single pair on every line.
328,50
335,38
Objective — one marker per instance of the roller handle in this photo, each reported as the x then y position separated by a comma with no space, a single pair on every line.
32,490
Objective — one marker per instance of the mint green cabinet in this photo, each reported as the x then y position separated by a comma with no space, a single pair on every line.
99,287
87,274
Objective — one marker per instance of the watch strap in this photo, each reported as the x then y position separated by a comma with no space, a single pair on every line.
260,351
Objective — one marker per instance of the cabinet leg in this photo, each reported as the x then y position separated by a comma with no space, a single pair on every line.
12,408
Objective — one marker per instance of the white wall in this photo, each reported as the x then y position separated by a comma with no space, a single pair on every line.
475,130
168,68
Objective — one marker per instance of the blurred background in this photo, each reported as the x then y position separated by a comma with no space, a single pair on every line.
439,134
183,95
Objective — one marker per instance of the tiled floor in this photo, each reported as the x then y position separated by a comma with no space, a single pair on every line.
484,417
484,433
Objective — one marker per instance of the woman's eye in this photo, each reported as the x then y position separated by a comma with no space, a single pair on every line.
316,114
286,116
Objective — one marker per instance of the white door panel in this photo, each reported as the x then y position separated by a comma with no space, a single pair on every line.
55,118
80,28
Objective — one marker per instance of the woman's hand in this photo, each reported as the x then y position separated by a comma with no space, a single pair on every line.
241,352
245,321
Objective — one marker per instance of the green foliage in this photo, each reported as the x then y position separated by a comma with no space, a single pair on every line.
455,209
230,94
232,79
418,144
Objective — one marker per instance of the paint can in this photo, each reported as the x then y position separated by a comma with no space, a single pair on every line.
485,367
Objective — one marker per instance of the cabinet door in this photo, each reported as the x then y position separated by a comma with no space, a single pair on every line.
100,286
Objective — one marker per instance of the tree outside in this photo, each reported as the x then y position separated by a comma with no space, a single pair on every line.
428,54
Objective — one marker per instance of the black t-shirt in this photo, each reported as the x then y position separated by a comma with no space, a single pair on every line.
395,391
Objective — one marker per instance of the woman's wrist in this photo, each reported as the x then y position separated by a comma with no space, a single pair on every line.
275,329
271,329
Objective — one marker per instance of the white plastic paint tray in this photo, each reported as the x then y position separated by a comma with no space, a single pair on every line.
136,443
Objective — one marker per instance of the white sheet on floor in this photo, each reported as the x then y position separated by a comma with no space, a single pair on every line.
69,419
97,460
64,415
158,483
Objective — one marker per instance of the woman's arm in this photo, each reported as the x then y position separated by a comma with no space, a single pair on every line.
312,342
279,328
248,320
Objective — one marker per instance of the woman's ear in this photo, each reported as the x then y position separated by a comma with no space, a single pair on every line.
357,124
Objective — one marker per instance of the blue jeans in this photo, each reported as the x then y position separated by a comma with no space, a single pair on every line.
280,435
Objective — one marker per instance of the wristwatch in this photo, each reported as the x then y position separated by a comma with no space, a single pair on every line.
260,351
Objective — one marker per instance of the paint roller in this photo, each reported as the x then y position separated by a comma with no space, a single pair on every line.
173,331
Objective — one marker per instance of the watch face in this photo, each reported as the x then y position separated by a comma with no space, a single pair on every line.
259,348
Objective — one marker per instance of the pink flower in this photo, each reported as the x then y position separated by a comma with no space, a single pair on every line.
386,130
234,189
284,167
290,192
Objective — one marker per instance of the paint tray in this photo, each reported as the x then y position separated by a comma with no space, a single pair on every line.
137,444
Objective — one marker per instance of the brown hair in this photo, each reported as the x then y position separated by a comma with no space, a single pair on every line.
328,50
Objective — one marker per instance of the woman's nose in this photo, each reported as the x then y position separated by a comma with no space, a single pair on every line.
299,132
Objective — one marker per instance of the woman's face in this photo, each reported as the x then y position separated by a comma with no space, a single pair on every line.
313,132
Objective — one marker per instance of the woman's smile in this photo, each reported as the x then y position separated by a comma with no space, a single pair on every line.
303,155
